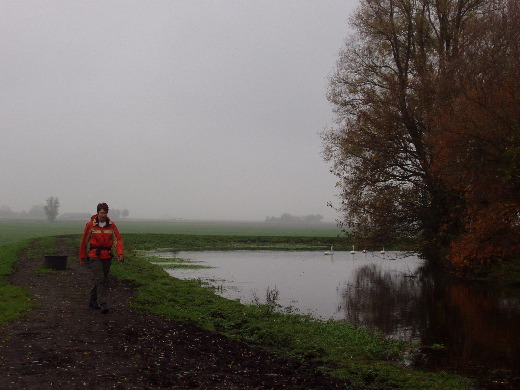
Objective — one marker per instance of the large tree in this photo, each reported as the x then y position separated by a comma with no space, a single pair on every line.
393,75
51,208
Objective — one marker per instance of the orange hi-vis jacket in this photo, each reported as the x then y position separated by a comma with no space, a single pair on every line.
100,240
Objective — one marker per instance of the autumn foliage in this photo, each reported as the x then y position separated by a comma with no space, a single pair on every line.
427,143
477,146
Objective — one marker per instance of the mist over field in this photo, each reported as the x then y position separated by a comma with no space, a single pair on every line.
169,109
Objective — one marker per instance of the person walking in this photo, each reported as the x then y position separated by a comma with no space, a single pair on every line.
100,235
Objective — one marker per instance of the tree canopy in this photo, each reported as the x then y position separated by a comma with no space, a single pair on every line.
51,208
426,142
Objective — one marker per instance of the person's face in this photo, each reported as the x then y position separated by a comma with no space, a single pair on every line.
102,215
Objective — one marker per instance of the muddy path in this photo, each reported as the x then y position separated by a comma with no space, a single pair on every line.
63,344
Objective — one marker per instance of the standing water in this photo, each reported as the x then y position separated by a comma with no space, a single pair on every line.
463,328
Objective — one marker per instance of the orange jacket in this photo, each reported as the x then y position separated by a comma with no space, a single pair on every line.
100,239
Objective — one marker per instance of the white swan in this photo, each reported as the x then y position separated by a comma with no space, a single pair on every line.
383,251
331,252
352,251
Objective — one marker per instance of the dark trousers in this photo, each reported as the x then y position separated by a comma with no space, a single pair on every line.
100,269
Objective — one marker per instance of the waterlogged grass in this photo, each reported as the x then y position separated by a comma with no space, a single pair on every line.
182,266
155,259
14,300
172,263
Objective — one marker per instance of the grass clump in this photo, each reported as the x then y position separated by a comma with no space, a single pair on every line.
182,266
175,263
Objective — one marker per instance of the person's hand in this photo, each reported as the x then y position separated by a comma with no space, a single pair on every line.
121,258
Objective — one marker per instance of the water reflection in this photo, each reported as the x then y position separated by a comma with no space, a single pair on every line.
385,300
482,332
463,327
473,331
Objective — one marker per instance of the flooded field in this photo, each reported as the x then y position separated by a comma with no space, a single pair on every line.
463,327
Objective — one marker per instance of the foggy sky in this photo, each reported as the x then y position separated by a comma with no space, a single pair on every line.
184,109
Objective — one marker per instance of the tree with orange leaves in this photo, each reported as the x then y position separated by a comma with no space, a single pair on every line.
478,142
426,144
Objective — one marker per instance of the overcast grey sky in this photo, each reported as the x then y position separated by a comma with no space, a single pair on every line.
186,109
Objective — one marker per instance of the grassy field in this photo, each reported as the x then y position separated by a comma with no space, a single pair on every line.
18,230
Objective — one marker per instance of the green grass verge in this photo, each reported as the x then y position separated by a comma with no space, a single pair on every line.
14,301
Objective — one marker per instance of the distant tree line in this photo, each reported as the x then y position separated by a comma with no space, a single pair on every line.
35,212
288,218
116,213
50,211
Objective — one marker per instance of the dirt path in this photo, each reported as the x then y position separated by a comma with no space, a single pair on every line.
62,344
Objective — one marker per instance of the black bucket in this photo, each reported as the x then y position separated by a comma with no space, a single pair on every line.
56,262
